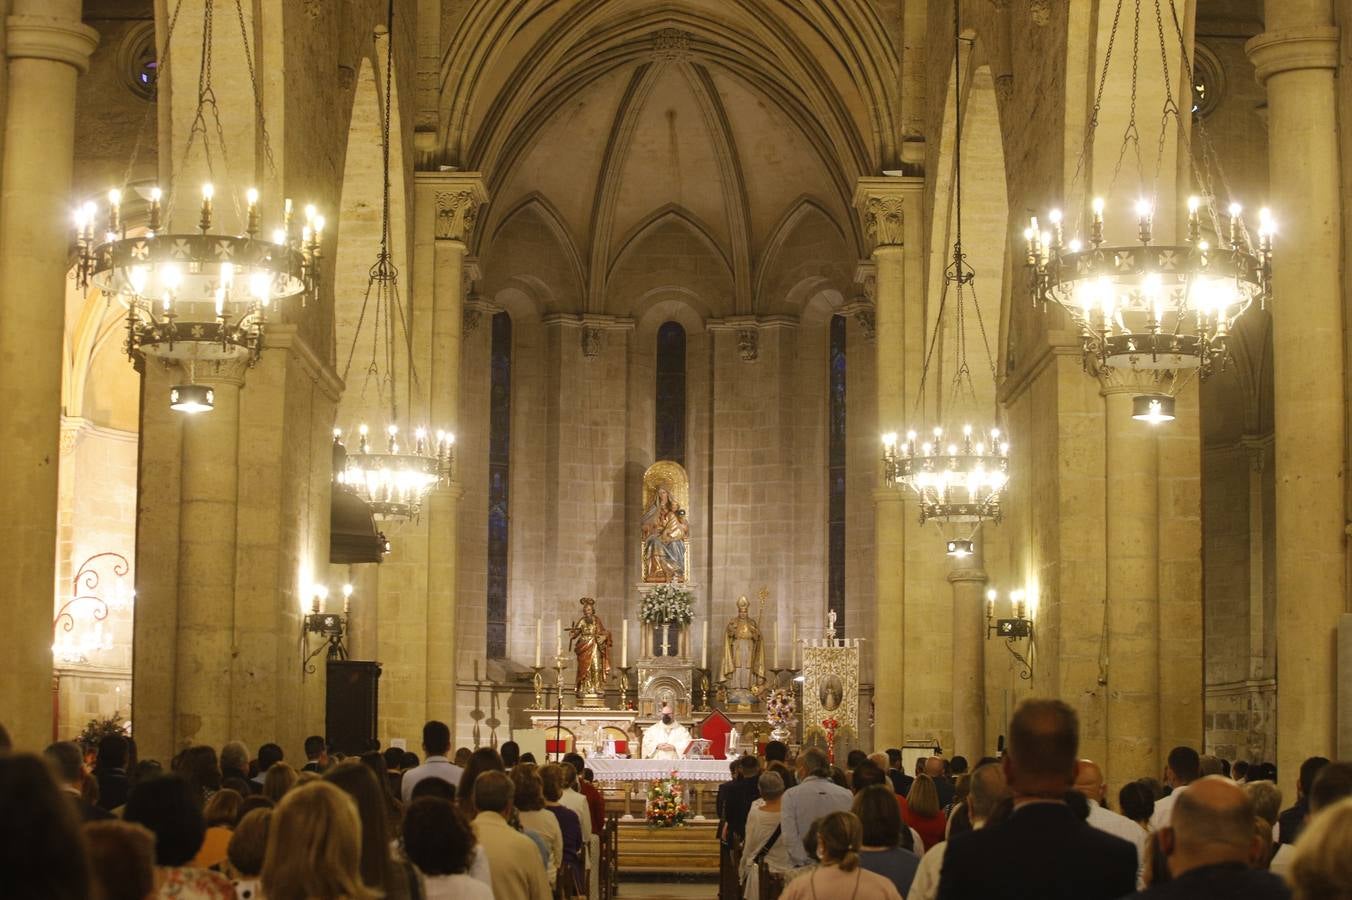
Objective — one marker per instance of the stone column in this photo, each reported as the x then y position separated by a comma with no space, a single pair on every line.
968,578
1132,612
449,203
47,48
882,204
208,503
1296,59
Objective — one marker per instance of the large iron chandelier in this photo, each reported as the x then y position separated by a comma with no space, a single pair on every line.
1154,313
394,477
199,297
959,477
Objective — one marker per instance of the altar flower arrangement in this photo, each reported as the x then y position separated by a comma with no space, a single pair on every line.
666,806
779,708
666,604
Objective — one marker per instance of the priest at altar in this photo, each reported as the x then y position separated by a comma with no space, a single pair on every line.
665,739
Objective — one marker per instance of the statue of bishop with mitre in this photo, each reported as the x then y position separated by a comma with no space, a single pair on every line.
743,669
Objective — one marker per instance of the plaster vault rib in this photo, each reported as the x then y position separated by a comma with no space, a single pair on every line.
608,182
736,200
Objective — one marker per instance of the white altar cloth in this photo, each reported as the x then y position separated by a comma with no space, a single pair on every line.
614,771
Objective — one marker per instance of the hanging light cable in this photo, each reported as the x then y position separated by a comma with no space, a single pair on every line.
958,478
396,479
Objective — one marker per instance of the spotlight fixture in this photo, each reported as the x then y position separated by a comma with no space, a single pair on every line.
1152,408
192,398
960,549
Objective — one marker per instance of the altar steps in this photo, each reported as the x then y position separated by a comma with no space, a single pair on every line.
692,848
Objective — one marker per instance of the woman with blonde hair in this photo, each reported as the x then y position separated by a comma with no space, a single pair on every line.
314,847
279,779
839,875
1321,867
922,812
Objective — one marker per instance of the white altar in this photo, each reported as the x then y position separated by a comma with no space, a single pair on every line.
619,771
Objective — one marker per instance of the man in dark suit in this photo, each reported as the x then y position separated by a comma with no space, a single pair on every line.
1291,821
67,763
110,770
316,754
1042,849
741,793
901,782
1209,844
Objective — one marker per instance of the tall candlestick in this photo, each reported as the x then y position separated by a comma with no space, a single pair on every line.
539,626
624,644
704,650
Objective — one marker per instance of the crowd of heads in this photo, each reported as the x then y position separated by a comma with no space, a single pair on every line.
97,821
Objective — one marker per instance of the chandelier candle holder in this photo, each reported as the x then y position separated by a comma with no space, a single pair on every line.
1143,306
394,482
198,297
958,480
1152,314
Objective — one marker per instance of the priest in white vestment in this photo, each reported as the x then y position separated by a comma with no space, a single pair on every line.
665,739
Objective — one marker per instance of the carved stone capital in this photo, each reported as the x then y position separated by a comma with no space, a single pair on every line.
472,317
866,276
593,339
882,206
455,199
456,211
748,344
1274,52
49,37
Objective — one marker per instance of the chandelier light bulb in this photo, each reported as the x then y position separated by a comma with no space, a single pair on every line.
347,591
251,195
279,236
1097,206
1193,203
1075,245
156,195
1143,208
362,429
310,213
208,191
1054,217
890,439
1235,210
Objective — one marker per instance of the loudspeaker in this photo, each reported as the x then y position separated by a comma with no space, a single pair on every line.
352,705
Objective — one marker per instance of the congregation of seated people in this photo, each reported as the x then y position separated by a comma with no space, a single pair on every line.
493,824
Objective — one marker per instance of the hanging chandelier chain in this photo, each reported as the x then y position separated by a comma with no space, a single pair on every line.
1131,135
257,94
1092,124
207,103
389,320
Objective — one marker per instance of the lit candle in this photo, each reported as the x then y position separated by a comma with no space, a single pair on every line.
558,637
155,195
251,226
704,650
776,663
624,644
347,599
114,214
793,648
539,627
207,193
1096,223
1194,220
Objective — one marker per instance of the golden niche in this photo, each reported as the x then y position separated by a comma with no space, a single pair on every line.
665,526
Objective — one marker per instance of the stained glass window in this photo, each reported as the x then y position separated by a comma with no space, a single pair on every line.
835,477
671,392
499,480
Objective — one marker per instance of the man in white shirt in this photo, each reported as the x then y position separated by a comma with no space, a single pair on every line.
436,744
1183,768
987,790
665,739
1089,781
